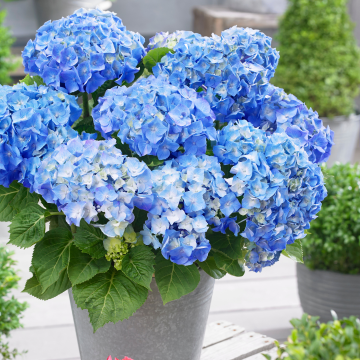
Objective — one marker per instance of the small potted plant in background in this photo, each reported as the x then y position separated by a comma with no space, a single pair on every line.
320,64
331,278
336,340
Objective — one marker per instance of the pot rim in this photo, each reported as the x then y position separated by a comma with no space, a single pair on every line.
328,271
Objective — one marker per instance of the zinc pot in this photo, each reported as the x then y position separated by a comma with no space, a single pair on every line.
56,9
346,133
155,332
321,291
258,6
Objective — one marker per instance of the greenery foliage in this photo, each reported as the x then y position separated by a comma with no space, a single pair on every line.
8,63
310,340
334,239
320,61
10,308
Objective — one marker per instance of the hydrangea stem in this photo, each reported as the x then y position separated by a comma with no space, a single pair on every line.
85,99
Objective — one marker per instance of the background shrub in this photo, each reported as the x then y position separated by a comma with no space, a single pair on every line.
334,239
319,57
310,340
10,309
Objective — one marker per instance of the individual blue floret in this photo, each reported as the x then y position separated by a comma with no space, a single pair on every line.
82,51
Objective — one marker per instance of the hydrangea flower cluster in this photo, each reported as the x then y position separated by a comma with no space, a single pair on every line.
82,51
188,192
86,177
34,120
230,68
156,118
234,70
275,109
281,189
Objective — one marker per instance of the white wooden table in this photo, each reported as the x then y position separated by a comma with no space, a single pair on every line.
226,341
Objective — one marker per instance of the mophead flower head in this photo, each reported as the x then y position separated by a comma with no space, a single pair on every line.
187,192
82,51
156,118
275,109
86,177
229,67
280,188
34,121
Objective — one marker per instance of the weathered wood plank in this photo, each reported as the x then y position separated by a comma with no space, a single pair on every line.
272,353
239,347
220,331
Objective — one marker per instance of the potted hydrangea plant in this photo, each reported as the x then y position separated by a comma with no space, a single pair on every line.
321,65
330,278
191,166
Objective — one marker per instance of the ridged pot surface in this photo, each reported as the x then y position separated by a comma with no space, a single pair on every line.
155,332
322,291
346,133
56,9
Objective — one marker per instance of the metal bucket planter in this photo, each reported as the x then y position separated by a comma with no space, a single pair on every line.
258,6
173,331
322,291
346,133
56,9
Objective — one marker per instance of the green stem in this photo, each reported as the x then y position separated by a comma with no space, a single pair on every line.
56,213
73,228
86,105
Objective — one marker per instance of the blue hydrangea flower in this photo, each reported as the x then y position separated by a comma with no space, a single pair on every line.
82,51
34,121
187,193
274,109
156,118
87,177
228,68
280,188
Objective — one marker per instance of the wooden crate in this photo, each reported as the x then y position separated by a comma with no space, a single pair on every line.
215,19
226,341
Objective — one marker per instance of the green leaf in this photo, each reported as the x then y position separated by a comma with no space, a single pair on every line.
175,281
89,240
30,80
294,251
34,288
140,218
229,244
109,297
210,267
51,256
83,267
13,199
59,221
138,265
28,227
125,149
100,92
224,262
154,56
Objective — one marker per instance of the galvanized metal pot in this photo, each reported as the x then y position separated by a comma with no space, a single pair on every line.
258,6
346,133
322,291
56,9
173,331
